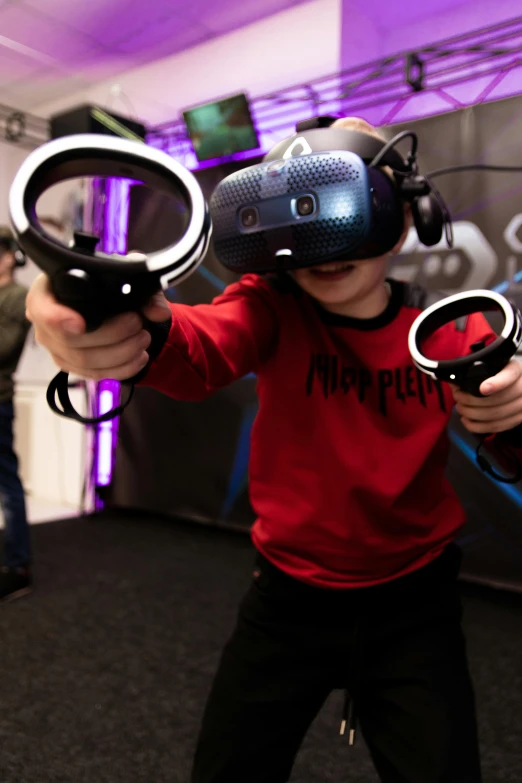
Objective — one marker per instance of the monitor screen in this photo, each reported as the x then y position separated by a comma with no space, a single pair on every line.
221,128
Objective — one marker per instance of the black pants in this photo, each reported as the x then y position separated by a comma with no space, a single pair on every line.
399,647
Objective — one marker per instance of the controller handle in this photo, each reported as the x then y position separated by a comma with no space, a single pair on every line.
475,377
98,297
478,373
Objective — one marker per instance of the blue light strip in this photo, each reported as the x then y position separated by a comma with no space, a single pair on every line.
502,287
239,474
211,278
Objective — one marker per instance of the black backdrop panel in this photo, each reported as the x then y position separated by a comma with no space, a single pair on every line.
192,459
487,214
185,459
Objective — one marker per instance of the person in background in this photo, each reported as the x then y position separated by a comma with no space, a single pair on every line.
15,575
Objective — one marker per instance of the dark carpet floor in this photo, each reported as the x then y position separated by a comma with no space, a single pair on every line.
106,667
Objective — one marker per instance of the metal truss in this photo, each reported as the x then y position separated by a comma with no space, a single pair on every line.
484,57
481,58
23,129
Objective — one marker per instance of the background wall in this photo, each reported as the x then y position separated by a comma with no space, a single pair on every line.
11,158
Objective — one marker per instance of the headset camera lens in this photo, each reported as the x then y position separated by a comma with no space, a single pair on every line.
249,217
305,206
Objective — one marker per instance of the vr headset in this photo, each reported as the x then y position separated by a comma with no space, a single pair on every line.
323,195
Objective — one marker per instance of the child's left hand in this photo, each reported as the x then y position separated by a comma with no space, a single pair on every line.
500,409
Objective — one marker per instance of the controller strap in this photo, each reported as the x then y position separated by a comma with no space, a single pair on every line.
504,452
59,386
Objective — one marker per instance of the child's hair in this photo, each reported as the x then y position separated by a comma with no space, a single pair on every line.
357,124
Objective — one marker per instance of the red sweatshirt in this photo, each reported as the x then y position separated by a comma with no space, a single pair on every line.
349,446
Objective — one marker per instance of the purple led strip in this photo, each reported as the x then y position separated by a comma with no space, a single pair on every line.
115,198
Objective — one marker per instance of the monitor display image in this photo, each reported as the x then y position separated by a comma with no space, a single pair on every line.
221,128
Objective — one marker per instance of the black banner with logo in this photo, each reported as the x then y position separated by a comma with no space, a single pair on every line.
191,460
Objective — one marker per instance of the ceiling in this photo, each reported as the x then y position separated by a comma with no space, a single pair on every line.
51,48
384,13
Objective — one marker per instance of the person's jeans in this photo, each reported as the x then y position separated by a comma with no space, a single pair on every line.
17,546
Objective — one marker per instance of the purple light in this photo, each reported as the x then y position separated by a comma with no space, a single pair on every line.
108,397
116,215
228,159
189,160
114,240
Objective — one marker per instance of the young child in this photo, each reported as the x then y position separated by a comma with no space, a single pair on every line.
355,581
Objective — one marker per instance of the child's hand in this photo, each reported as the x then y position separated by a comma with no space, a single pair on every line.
501,409
116,350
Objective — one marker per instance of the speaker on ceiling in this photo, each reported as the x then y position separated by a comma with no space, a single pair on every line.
92,119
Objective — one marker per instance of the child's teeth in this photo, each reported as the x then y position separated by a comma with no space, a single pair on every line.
334,267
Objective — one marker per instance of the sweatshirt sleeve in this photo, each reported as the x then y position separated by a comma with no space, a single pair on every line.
211,345
477,330
14,328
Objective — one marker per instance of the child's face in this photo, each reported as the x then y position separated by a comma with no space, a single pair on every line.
341,285
343,282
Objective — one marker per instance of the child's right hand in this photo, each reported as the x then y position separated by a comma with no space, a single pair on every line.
116,350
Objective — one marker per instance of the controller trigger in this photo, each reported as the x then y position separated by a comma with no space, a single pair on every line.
84,242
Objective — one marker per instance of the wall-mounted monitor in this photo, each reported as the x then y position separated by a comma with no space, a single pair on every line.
221,128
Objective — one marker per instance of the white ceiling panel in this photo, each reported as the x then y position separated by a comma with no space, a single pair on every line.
227,15
102,68
82,15
385,13
107,21
167,36
50,49
14,66
41,86
44,35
